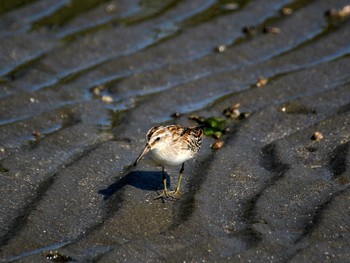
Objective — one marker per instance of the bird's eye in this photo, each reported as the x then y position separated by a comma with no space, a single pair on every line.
157,139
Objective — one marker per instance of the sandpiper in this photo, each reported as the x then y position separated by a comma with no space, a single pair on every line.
172,145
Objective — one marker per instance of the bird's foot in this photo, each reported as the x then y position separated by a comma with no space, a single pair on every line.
169,194
163,194
175,194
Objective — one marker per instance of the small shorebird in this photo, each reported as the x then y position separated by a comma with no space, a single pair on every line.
172,145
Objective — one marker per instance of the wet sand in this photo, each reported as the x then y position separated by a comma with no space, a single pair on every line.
81,82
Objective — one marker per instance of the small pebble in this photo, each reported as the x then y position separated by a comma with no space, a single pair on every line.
55,256
317,136
345,11
230,7
331,13
296,108
233,114
233,107
96,90
227,130
232,111
236,106
218,144
111,8
262,82
342,13
220,48
33,100
286,11
271,29
107,99
176,115
36,134
244,115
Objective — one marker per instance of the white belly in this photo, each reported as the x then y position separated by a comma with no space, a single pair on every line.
170,156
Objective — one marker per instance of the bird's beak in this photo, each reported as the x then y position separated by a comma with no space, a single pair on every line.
144,152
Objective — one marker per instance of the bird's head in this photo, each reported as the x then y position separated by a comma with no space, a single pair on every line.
155,139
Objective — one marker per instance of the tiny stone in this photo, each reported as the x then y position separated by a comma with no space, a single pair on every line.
96,91
36,134
345,11
107,99
218,144
235,113
220,48
261,82
232,111
243,115
230,6
227,130
286,11
176,115
331,13
57,257
236,106
111,8
317,136
271,29
342,13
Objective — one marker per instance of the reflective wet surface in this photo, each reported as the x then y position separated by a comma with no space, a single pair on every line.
81,82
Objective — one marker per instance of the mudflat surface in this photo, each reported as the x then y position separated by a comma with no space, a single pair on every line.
81,82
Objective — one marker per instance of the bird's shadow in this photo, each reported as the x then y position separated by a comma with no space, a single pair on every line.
145,180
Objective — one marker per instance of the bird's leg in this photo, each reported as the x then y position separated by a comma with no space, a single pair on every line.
165,192
177,193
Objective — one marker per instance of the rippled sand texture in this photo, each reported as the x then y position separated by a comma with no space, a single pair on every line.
81,82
